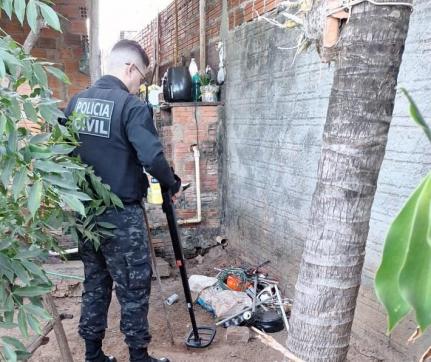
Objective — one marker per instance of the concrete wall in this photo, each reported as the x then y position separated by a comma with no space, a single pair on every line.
275,114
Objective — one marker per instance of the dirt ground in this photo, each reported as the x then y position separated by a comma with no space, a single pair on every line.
220,349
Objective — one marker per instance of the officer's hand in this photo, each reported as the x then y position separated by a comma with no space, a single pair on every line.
177,195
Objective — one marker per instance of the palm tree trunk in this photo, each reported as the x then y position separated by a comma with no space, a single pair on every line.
354,140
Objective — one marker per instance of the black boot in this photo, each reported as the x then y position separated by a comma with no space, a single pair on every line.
94,353
141,355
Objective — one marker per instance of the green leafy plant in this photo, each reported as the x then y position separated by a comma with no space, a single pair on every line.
43,187
403,280
204,78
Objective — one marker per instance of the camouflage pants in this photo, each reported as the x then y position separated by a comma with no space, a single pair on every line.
124,260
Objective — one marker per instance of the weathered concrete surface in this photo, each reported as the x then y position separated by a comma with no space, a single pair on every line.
273,126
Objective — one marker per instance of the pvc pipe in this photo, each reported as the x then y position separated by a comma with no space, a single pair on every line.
198,218
64,276
67,251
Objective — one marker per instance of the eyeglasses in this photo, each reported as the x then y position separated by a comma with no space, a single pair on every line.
136,67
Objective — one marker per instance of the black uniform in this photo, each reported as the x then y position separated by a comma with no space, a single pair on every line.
118,139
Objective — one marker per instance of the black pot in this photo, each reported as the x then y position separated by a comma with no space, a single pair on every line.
177,85
268,321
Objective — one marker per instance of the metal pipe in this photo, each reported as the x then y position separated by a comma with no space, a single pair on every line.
283,313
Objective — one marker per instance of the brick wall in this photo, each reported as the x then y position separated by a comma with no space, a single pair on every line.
275,114
181,127
240,11
65,49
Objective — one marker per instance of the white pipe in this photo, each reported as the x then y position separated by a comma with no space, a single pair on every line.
198,218
66,251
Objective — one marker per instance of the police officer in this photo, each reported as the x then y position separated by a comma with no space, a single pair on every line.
118,138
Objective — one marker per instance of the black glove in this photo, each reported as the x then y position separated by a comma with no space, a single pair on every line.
174,188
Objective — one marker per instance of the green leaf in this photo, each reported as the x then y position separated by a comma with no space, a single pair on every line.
73,203
32,15
9,305
50,166
79,195
14,342
4,244
19,182
416,114
40,138
31,291
116,201
37,311
8,325
34,269
30,111
40,152
61,182
35,197
23,356
34,324
2,123
59,74
7,5
9,58
62,149
415,277
20,10
106,225
2,69
6,173
6,267
40,74
394,256
3,294
20,272
12,141
50,16
22,322
14,110
9,353
9,315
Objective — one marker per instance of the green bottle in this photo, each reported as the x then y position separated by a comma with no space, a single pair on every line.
196,87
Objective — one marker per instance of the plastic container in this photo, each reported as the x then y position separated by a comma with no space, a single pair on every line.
154,195
196,87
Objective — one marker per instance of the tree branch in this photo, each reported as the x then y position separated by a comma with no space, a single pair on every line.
33,37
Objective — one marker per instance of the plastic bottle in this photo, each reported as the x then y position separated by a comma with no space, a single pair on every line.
193,67
196,87
154,195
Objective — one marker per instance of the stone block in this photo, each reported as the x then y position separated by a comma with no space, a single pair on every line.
236,335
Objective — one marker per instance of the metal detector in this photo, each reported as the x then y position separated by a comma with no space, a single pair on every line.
199,337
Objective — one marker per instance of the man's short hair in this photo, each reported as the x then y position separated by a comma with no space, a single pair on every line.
132,46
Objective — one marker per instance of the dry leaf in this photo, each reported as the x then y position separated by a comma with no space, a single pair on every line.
417,334
426,355
290,24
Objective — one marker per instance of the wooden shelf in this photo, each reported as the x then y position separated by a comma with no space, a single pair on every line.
166,106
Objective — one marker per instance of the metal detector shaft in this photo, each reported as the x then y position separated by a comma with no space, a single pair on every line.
168,209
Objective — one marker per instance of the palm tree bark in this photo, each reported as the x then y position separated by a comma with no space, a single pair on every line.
354,140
